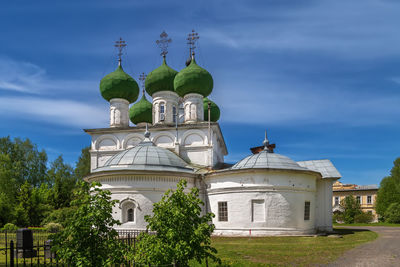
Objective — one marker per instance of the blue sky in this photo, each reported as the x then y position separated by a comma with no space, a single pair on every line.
322,76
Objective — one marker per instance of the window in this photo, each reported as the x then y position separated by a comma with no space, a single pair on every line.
307,210
174,115
358,198
258,210
162,112
222,211
369,199
337,200
130,216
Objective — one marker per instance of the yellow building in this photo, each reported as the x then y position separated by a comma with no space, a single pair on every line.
365,195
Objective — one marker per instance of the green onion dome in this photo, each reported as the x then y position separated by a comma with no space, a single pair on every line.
141,111
193,79
214,110
118,84
160,79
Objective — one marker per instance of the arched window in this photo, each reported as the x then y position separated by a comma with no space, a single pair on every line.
130,215
162,111
174,115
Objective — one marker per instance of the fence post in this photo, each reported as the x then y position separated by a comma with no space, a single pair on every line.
12,253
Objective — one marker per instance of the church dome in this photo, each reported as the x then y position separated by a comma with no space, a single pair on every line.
146,157
118,84
214,110
160,79
193,79
267,160
141,111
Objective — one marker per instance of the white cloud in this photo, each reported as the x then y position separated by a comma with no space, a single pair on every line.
56,111
25,77
299,103
348,28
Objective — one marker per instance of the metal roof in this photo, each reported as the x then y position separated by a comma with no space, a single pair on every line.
146,156
323,166
267,160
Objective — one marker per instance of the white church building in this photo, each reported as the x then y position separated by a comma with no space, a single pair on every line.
177,136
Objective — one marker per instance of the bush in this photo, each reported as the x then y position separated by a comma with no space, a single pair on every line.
364,217
392,214
53,227
337,218
9,227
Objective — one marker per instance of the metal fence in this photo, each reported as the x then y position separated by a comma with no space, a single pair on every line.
12,254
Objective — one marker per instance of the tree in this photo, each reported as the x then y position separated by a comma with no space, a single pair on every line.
389,190
351,208
63,180
83,165
392,214
182,234
89,238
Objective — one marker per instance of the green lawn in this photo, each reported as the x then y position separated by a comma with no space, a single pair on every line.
287,251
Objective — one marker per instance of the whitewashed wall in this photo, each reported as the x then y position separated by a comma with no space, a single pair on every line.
280,194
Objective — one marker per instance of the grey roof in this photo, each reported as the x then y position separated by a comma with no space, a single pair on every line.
323,166
146,156
267,160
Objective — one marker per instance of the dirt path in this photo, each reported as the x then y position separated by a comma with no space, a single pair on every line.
384,251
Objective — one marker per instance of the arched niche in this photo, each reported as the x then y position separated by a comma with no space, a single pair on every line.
131,140
194,138
129,208
164,140
107,142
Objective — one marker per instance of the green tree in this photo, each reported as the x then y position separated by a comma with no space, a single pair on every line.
83,165
392,214
389,190
351,209
89,238
63,181
182,234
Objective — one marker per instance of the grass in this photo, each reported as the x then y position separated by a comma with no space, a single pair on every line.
287,251
368,224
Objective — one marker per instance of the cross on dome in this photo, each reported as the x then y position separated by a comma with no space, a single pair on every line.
142,78
163,43
192,38
120,45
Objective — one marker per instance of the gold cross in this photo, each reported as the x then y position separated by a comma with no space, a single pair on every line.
142,78
163,43
192,38
120,44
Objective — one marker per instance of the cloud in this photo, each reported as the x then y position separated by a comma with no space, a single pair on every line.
25,77
56,111
301,103
351,29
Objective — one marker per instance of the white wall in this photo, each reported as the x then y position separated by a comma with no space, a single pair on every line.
324,204
283,195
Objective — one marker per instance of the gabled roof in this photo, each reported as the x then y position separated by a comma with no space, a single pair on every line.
323,166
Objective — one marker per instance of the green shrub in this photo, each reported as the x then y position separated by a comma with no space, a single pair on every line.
337,218
53,227
364,217
9,227
392,214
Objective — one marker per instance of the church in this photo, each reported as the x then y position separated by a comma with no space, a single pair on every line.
177,136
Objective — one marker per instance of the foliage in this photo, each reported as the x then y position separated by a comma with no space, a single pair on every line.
337,217
89,238
31,194
351,208
389,190
9,227
364,217
83,165
392,214
59,216
182,233
53,227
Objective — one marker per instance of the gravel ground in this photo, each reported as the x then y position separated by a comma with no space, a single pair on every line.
382,252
